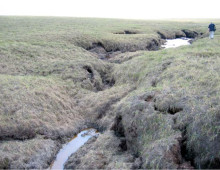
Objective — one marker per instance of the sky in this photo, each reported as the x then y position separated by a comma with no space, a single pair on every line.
129,9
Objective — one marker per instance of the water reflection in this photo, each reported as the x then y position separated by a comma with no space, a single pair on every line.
173,43
72,147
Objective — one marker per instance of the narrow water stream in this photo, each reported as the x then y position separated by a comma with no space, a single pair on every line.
173,43
72,146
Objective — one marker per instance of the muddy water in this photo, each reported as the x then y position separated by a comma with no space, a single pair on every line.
72,146
173,43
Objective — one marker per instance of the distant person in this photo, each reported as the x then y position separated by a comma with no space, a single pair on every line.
212,30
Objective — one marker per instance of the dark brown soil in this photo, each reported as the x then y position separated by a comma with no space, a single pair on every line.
103,53
127,32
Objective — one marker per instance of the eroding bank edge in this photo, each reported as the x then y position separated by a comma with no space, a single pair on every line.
106,52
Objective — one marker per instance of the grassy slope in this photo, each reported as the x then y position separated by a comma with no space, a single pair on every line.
45,89
186,78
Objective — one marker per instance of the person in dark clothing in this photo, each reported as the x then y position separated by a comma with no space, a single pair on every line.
212,30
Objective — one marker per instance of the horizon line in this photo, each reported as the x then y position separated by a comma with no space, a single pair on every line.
60,16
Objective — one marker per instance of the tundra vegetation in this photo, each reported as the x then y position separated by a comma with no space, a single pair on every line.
155,108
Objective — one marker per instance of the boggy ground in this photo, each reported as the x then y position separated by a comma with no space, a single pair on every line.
155,109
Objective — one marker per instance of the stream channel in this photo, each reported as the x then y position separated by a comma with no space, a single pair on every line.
80,139
71,147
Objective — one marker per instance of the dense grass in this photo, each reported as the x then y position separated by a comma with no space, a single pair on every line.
51,86
187,78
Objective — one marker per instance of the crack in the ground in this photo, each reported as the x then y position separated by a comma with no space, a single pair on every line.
126,32
186,154
94,76
170,109
119,131
107,80
90,73
107,107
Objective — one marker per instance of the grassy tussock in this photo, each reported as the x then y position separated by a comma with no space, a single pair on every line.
35,153
34,105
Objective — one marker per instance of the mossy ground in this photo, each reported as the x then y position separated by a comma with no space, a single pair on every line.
51,86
